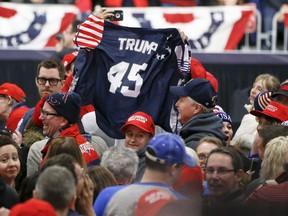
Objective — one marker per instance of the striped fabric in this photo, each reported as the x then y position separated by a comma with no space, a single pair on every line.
90,32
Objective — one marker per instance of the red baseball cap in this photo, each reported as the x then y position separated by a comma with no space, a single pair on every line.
142,121
151,202
33,207
274,110
69,58
13,91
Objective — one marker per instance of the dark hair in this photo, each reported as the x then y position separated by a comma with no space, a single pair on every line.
64,160
8,140
272,131
52,63
101,178
269,121
27,187
153,164
245,161
235,157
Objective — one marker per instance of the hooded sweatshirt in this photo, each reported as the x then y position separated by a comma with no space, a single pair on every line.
201,125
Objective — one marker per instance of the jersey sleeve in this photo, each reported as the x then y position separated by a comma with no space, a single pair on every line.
90,32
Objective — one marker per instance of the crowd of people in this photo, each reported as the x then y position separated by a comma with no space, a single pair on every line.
55,160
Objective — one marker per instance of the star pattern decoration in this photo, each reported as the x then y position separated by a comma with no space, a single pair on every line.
168,38
26,36
166,51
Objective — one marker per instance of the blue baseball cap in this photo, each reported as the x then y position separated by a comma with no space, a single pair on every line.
199,90
169,149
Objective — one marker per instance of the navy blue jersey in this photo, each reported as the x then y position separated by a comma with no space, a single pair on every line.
121,70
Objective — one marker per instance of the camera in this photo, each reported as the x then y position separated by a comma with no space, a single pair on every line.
118,15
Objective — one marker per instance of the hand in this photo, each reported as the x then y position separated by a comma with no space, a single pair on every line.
59,45
4,211
183,35
84,203
17,137
104,13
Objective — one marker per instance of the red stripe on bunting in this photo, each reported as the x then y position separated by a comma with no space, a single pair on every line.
7,12
66,21
178,18
238,30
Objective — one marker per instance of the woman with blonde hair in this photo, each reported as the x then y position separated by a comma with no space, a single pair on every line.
275,155
248,128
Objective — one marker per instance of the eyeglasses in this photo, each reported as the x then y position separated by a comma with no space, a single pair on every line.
43,80
45,113
220,170
202,157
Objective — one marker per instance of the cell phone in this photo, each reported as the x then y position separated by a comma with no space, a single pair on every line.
283,177
118,15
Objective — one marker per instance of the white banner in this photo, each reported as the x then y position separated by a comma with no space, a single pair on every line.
33,26
213,29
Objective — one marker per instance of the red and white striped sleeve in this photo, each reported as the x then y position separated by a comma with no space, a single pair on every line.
90,32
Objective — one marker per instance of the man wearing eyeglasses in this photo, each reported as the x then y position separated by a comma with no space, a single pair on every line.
49,79
223,174
60,115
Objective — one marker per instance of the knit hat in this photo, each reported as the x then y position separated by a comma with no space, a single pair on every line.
224,116
273,110
199,90
33,207
151,202
142,121
262,100
169,149
13,91
66,104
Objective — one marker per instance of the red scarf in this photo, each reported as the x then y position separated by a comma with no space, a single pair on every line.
86,148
